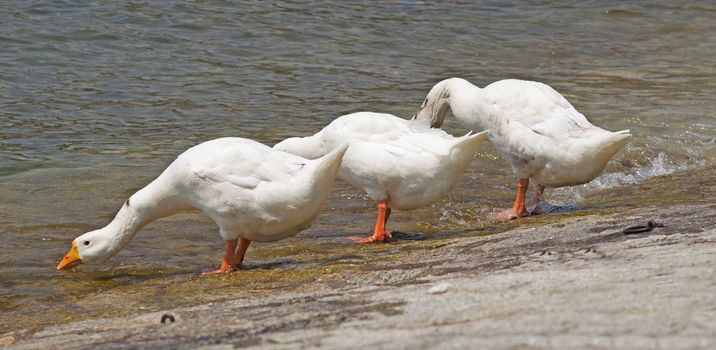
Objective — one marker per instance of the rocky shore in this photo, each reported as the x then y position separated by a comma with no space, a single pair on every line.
571,280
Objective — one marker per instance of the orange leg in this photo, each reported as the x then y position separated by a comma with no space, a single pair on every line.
379,232
227,264
240,252
519,206
518,209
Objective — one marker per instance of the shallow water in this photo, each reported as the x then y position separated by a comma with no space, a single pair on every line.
97,98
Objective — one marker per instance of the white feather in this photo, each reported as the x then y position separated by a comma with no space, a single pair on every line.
406,162
534,128
249,190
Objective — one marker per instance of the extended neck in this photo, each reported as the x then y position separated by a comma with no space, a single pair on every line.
126,223
156,200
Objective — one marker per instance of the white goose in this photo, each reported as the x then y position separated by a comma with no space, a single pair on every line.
251,192
401,164
534,128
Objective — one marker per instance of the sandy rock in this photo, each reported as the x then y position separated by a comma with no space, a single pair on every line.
572,281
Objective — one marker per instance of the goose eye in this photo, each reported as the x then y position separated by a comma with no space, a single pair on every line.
86,243
425,102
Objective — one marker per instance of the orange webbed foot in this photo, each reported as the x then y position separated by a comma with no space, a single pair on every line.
213,272
510,214
518,210
226,267
230,261
380,234
376,237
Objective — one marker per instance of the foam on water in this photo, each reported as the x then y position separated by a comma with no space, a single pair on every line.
659,166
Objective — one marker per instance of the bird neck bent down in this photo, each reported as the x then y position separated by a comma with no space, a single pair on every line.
454,94
143,207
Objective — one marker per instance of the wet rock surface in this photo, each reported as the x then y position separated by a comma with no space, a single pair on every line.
576,283
569,280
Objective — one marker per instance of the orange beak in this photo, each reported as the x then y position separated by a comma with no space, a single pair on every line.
70,260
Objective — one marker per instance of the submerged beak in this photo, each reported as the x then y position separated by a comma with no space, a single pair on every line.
70,260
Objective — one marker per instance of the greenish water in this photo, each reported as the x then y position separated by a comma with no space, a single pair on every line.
97,98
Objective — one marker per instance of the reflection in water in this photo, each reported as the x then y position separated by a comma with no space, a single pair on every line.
97,99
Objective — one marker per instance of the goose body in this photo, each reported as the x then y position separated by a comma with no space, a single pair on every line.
535,129
248,189
399,163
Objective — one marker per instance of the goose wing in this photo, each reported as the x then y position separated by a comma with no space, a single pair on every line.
538,107
366,126
245,163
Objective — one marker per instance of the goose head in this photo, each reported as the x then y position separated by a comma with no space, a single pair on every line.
436,105
94,247
454,95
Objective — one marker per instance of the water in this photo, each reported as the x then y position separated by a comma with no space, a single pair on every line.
97,98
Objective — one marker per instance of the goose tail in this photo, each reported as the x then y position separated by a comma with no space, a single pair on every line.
465,148
329,164
611,144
